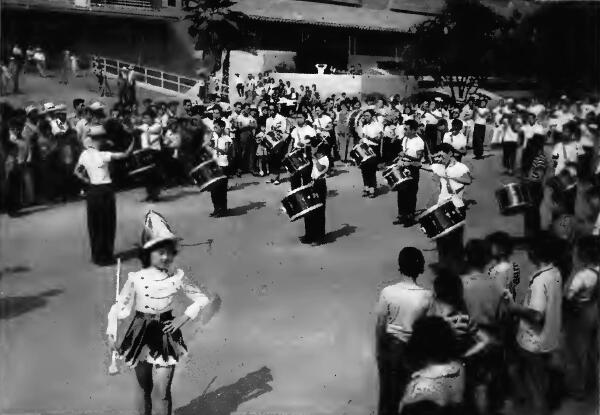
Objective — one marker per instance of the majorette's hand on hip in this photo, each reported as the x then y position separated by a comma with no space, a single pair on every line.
112,342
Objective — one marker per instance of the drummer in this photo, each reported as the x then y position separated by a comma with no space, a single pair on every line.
372,133
222,145
454,176
413,148
303,135
277,124
314,222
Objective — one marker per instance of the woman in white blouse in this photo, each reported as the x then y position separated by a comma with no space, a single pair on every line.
153,343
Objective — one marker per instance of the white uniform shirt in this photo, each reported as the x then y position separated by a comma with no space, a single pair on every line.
245,121
316,174
583,285
152,291
372,133
481,115
544,295
432,117
276,123
302,135
151,135
458,141
455,171
222,143
96,165
323,123
58,127
567,153
402,304
411,146
509,135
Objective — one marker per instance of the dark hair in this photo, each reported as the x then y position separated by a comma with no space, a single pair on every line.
77,102
477,253
457,124
588,249
432,341
442,122
148,113
411,261
187,101
144,254
502,241
545,248
445,148
220,123
412,124
448,288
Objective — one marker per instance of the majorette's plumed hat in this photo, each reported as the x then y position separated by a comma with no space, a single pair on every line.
156,230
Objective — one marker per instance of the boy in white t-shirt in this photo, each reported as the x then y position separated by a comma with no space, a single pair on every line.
456,139
538,335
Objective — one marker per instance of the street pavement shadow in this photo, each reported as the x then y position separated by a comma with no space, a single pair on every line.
240,186
31,210
344,231
227,399
17,269
11,307
332,193
337,172
242,210
382,190
176,196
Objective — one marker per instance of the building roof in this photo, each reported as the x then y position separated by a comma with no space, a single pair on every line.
304,12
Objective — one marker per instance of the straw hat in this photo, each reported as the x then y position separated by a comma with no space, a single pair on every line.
50,107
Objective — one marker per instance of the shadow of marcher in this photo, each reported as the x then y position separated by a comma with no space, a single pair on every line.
16,269
179,195
226,399
11,307
335,173
344,231
332,193
240,186
242,210
31,210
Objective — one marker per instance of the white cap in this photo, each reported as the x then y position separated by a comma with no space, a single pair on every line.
96,105
156,230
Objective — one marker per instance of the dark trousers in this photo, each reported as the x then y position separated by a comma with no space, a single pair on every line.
369,170
537,377
407,194
275,160
314,222
532,218
394,374
450,248
584,164
218,195
245,152
240,90
101,221
509,155
430,137
300,179
14,189
478,139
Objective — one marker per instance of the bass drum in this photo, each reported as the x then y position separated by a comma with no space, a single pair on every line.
301,201
207,175
441,219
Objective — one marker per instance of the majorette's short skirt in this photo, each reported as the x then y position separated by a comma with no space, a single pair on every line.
145,341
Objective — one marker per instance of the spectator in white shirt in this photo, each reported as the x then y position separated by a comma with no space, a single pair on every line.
222,146
539,331
480,120
399,306
510,142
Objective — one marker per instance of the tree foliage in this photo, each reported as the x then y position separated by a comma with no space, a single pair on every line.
458,47
215,28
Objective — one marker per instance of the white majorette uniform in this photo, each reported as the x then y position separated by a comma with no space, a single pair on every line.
151,292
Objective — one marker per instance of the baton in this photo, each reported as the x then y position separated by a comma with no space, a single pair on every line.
114,368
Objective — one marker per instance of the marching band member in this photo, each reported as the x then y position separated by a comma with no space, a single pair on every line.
323,125
303,135
566,153
277,124
93,168
151,138
153,344
454,177
314,222
222,145
430,119
413,148
371,134
480,116
456,139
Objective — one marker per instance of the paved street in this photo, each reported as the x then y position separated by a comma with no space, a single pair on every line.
295,329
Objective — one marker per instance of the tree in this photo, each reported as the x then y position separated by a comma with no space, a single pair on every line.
457,48
216,29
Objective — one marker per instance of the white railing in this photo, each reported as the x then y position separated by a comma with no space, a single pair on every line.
155,79
144,4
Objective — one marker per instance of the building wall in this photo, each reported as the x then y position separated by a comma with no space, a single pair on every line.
367,62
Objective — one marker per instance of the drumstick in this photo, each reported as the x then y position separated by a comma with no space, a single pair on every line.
114,368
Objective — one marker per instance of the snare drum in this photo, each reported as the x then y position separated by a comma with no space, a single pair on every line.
142,161
395,176
362,153
296,161
272,143
207,174
301,201
441,219
513,198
